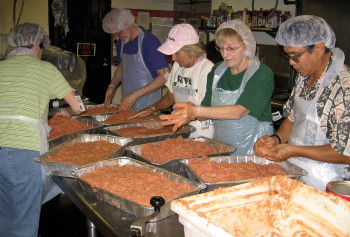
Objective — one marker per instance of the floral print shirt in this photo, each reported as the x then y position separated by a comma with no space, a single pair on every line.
333,108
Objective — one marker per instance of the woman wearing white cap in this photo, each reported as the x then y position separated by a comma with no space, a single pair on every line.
315,133
238,92
188,78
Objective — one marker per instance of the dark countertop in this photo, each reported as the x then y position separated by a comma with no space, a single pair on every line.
111,221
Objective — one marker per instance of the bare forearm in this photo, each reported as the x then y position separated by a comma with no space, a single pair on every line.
166,101
285,130
324,153
117,77
73,108
234,112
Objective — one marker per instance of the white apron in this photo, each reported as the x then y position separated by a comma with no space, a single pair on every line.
41,127
184,94
136,75
307,131
244,132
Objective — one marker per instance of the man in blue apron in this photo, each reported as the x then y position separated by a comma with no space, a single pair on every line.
238,95
27,85
141,69
315,133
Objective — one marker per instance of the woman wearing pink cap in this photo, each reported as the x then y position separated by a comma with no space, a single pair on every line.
238,92
188,78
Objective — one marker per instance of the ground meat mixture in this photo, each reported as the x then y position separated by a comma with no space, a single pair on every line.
174,148
136,184
84,153
139,131
100,110
63,126
212,172
123,117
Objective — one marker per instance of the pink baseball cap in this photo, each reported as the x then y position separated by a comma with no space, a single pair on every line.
179,35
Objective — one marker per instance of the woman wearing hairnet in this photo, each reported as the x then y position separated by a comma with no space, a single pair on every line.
188,77
142,68
238,92
315,133
27,85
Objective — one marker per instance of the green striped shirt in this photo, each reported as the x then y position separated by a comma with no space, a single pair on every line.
27,85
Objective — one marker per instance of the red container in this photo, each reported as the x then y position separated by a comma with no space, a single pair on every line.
339,188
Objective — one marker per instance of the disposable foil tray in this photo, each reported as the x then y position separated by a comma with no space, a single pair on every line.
175,165
126,205
94,128
185,133
293,171
96,106
64,169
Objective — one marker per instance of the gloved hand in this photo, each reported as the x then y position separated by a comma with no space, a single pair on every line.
153,124
109,95
128,101
184,113
144,113
263,144
62,113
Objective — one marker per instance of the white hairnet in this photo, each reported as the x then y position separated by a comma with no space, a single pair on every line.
244,31
28,34
305,30
117,20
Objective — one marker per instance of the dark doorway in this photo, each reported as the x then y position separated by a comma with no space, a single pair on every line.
85,26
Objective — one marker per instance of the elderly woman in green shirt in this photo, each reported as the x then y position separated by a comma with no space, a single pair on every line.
239,91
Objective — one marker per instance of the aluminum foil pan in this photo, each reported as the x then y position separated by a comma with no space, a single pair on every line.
103,117
64,169
175,165
126,205
292,170
94,128
185,133
96,106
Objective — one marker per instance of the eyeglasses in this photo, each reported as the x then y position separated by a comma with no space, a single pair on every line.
228,49
118,34
295,58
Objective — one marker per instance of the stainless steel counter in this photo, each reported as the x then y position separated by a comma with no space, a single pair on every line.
111,221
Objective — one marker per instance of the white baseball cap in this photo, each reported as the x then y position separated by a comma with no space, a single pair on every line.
179,35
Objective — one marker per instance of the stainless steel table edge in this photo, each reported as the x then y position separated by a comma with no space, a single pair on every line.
108,219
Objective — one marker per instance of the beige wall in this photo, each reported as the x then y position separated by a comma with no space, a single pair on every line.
35,11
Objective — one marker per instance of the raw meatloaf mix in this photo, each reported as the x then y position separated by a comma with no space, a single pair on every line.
63,126
84,153
100,110
123,117
139,131
212,172
135,184
175,148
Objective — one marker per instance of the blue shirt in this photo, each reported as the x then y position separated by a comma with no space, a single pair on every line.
153,59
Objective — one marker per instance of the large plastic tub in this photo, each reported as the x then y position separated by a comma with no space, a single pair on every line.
275,206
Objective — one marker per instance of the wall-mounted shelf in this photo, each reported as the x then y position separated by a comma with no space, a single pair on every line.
271,31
